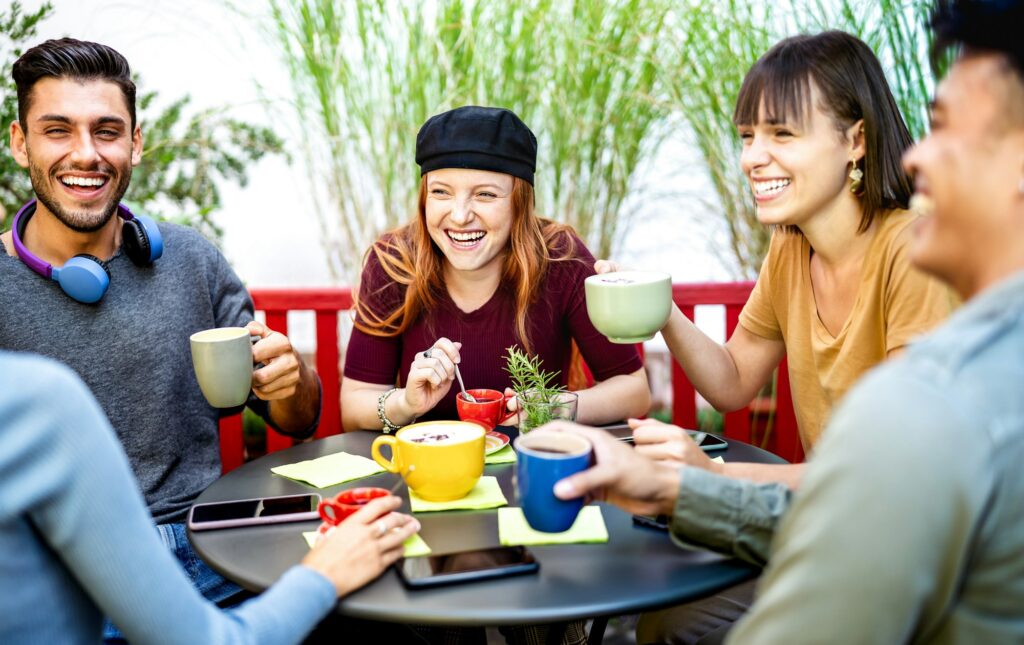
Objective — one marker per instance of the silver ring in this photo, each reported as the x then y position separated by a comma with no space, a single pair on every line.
382,528
426,353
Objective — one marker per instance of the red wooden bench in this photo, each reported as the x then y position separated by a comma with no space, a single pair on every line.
328,302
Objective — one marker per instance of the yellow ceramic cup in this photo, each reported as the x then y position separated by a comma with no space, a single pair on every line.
439,460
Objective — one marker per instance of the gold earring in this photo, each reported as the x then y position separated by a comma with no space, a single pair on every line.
856,179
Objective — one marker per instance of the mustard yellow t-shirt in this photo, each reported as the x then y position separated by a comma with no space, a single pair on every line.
894,303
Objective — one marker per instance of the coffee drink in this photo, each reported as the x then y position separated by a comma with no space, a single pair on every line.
439,460
447,433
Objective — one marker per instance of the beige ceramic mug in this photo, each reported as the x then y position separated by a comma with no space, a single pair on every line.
222,359
629,306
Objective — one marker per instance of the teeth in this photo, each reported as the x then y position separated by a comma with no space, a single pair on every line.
921,204
770,187
466,237
82,181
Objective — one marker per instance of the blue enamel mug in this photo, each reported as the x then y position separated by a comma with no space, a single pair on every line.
543,460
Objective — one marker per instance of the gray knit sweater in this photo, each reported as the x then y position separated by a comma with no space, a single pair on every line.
132,350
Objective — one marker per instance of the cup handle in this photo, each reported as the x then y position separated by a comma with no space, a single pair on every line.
327,511
387,464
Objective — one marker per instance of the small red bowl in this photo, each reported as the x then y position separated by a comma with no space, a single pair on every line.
336,509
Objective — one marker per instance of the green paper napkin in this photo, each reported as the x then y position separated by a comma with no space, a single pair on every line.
414,546
513,530
504,456
329,470
486,494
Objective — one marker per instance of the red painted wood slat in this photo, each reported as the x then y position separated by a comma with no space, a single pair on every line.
232,448
328,369
277,320
737,423
684,397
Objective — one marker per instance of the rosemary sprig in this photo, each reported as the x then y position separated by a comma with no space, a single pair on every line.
535,388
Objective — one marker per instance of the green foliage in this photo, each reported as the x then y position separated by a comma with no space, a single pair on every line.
16,29
601,83
184,157
536,390
366,75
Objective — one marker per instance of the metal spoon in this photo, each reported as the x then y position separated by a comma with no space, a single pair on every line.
458,375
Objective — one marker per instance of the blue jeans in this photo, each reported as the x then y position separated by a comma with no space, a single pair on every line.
211,584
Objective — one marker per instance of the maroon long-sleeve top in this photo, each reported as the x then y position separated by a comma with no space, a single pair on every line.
558,316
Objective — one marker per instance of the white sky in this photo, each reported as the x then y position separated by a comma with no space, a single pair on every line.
202,49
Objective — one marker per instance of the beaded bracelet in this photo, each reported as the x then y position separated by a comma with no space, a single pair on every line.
385,422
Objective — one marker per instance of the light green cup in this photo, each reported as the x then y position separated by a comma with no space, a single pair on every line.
629,306
222,359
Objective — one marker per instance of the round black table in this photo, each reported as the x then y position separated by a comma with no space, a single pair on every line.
638,569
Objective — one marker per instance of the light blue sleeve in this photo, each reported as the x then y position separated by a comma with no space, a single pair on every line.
64,470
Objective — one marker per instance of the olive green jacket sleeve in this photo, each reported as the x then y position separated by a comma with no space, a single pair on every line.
733,517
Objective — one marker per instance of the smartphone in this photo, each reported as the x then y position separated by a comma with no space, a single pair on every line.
659,522
707,442
253,512
465,566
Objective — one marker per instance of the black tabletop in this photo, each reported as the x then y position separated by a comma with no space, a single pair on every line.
636,570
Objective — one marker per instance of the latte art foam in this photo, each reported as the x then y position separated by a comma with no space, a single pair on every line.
630,277
440,434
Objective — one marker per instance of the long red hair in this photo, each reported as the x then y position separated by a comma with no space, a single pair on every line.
411,260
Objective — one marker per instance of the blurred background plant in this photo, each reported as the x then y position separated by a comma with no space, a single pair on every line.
602,84
366,75
185,156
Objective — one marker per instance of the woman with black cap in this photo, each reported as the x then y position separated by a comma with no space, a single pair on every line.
475,272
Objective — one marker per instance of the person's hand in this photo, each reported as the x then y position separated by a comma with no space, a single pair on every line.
282,368
363,545
511,409
619,476
606,266
669,444
430,376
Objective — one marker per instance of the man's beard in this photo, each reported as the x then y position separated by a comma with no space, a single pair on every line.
82,222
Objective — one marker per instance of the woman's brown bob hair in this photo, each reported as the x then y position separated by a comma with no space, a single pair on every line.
853,87
415,265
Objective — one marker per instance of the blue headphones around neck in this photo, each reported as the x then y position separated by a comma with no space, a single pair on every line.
85,277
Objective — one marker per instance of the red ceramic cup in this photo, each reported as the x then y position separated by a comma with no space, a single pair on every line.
489,409
335,509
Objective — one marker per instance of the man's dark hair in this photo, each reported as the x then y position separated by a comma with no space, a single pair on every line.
75,59
980,27
853,87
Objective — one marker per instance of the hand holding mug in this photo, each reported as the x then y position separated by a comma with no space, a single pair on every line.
619,475
280,371
362,547
606,266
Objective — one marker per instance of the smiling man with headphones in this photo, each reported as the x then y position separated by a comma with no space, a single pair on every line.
115,296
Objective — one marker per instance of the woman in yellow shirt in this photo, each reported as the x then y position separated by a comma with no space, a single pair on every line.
822,142
822,147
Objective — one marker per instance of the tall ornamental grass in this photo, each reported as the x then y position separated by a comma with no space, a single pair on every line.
365,75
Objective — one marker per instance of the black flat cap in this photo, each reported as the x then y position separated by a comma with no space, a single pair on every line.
481,138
